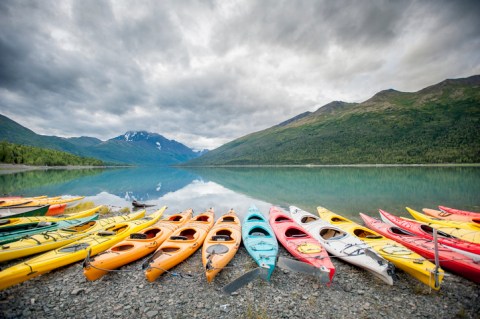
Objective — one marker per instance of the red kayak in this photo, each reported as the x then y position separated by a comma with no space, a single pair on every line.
463,247
448,259
299,242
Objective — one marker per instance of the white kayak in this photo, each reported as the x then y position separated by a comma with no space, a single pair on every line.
343,245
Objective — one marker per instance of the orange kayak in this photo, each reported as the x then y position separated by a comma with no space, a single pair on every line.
447,215
180,245
221,244
137,246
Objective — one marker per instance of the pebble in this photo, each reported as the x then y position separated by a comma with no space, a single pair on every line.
353,293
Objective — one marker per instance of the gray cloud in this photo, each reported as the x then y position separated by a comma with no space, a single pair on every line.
207,72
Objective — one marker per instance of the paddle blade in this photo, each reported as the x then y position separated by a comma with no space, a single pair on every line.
301,267
370,253
244,279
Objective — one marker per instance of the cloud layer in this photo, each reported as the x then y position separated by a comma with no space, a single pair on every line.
206,72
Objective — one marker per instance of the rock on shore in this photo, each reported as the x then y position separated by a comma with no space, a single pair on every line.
65,293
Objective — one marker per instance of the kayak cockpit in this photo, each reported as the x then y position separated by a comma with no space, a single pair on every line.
258,232
295,233
332,233
363,233
308,219
282,219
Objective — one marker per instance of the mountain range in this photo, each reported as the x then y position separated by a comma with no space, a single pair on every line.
133,147
438,124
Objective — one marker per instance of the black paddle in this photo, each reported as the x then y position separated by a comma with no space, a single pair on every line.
284,263
245,279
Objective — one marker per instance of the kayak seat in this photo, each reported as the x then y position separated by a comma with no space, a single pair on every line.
221,238
178,237
258,231
257,234
282,219
138,236
295,232
106,233
228,219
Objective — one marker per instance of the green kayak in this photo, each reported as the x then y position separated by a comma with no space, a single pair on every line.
13,233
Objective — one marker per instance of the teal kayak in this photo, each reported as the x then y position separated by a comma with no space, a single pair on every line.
259,240
13,233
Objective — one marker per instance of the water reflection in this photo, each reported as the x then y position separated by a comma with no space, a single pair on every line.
349,190
346,190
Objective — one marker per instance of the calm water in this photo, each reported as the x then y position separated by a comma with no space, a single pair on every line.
345,190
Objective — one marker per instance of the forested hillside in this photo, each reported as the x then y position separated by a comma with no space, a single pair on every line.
30,155
439,124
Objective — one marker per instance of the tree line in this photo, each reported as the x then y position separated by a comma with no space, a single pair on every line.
29,155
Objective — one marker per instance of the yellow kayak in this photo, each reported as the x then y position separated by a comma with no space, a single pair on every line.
35,219
53,201
24,201
402,257
77,251
449,223
53,239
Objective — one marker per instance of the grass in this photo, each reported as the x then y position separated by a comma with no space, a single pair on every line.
254,312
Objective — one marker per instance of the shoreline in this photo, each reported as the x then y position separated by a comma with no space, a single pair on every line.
354,293
335,165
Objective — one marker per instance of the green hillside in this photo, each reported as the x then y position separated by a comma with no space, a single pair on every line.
30,155
439,124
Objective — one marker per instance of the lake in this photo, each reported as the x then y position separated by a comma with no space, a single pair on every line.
344,190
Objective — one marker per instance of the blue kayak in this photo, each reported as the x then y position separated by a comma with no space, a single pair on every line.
259,240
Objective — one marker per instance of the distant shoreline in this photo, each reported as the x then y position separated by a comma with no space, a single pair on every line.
14,168
339,165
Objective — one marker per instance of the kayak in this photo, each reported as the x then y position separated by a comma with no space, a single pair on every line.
56,209
53,201
299,242
399,255
17,232
138,245
53,239
6,222
28,201
22,211
445,215
466,248
259,240
459,212
77,251
180,245
474,225
448,259
342,245
221,244
15,202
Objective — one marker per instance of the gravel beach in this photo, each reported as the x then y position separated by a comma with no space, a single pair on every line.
65,293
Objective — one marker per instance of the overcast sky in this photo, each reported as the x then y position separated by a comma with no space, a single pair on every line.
206,72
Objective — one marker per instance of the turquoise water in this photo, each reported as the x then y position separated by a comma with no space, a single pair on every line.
344,190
